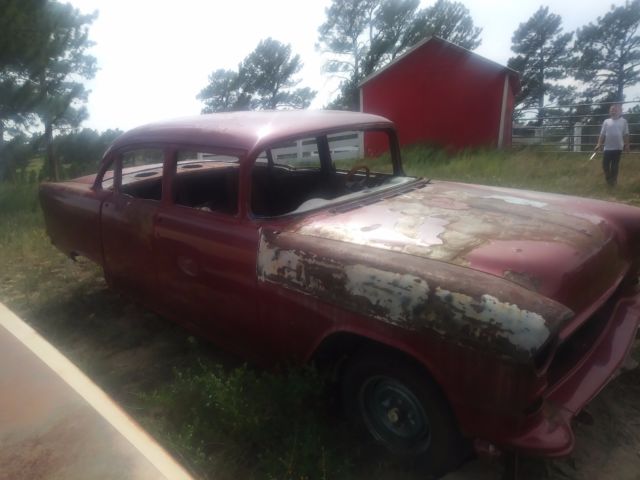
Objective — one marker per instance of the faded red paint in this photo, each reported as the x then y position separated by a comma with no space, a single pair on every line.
439,93
506,297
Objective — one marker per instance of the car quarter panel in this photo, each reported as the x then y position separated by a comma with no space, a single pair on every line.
72,217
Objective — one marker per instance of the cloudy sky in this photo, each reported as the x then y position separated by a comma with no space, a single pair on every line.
155,56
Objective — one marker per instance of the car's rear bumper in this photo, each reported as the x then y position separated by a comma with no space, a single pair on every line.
550,434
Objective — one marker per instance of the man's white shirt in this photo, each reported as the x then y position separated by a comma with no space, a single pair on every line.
614,131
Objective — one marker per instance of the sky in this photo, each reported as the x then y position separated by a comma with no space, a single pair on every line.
155,56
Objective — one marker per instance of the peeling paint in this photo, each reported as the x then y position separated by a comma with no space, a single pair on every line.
518,201
399,295
389,296
487,229
410,295
522,328
405,228
444,223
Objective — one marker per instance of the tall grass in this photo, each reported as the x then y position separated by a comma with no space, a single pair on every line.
570,173
19,211
23,243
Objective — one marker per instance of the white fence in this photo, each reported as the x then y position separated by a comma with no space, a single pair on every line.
570,128
343,146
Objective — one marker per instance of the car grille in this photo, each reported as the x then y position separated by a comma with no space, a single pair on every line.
570,353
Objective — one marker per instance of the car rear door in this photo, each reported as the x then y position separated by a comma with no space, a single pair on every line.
127,221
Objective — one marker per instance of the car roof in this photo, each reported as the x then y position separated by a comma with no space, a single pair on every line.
248,131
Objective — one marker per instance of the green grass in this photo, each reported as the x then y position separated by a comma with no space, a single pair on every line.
24,251
268,421
570,173
219,417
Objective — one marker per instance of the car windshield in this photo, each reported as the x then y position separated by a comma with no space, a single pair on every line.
305,173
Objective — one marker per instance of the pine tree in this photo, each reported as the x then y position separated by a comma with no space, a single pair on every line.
265,79
609,52
364,35
542,55
43,54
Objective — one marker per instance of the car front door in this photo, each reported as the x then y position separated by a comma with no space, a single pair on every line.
206,254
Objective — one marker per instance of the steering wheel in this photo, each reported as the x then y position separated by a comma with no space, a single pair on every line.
356,168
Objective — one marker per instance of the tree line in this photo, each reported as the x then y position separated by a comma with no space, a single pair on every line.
77,152
44,62
360,36
596,63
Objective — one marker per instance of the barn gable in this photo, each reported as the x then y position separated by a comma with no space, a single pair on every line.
442,94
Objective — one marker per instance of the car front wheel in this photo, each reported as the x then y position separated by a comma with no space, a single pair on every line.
403,410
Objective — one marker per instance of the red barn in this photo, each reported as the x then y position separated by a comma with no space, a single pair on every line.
442,94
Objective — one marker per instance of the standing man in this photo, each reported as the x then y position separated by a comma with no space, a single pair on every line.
615,138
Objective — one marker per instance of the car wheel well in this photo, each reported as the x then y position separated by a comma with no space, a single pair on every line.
337,348
336,351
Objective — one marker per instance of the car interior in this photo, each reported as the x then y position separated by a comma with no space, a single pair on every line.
294,176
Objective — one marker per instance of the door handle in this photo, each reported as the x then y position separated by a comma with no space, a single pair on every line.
188,266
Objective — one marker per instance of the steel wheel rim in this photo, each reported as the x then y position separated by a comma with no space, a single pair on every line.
394,415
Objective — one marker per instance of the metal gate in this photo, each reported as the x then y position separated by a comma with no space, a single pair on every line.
570,128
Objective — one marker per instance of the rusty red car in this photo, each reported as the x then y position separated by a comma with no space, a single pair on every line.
454,311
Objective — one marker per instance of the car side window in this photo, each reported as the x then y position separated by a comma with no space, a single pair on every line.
142,157
367,149
108,179
206,181
141,173
311,173
302,153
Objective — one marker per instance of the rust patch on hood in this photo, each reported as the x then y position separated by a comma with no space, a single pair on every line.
538,242
422,295
446,221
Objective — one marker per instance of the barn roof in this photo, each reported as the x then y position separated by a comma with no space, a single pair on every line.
514,76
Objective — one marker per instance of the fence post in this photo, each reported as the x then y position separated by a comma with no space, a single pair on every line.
577,137
299,153
539,135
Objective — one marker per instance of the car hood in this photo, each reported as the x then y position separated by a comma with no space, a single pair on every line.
568,249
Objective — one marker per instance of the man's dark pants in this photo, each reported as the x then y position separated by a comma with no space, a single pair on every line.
610,162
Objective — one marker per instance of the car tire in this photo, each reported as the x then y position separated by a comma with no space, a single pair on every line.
403,411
